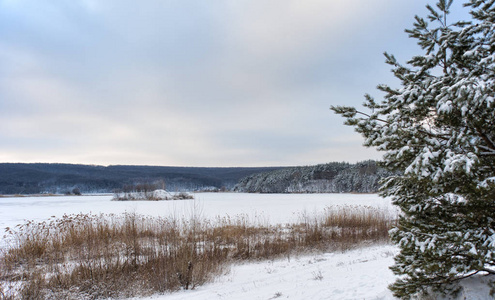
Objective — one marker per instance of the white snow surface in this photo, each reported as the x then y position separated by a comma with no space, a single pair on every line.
161,194
357,274
271,208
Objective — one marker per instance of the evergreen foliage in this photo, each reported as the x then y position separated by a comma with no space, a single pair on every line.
438,131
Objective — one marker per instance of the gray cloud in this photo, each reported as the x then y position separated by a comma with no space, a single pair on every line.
223,83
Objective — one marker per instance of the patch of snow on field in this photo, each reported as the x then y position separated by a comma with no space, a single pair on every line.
357,274
161,194
353,275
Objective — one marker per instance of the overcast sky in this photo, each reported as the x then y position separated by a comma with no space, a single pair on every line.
192,83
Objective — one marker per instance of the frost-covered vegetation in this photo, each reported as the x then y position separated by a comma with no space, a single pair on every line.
100,256
149,192
155,195
438,130
363,177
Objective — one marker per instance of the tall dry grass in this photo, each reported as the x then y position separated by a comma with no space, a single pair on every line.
101,256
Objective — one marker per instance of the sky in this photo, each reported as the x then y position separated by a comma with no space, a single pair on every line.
216,83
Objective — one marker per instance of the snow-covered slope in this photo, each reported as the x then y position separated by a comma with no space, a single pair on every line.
357,274
353,275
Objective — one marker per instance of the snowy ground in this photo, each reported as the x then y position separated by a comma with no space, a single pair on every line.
357,274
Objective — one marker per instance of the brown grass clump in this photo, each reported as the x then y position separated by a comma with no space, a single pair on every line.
101,256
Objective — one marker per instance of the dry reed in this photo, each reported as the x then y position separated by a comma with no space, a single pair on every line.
101,256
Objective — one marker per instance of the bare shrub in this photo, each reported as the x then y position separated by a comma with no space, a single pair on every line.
182,196
317,275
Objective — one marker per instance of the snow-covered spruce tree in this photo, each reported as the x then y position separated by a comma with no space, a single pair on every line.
438,129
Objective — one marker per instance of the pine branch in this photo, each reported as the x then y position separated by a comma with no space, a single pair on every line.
463,277
486,139
369,116
488,270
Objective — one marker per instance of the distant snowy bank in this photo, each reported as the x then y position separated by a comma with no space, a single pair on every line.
156,195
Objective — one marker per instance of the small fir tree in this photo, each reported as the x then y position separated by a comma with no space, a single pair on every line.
438,130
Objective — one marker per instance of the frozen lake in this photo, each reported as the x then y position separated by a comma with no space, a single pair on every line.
271,208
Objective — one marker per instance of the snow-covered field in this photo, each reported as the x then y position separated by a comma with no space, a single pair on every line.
356,274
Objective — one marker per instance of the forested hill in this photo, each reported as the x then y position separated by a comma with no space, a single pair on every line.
19,178
362,177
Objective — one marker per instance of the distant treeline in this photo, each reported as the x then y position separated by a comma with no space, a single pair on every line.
362,177
19,178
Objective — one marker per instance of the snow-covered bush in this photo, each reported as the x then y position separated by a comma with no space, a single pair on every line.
155,195
438,130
